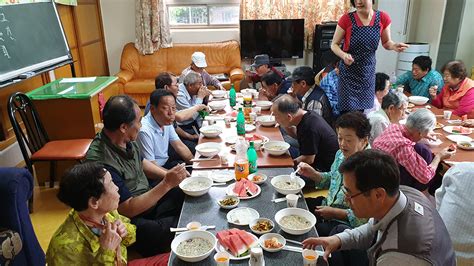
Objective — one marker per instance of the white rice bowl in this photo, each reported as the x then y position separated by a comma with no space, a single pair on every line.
218,93
418,100
265,105
266,120
209,149
217,105
279,182
211,131
196,186
276,148
295,212
195,234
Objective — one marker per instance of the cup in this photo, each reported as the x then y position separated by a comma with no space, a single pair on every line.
447,114
221,258
400,89
257,110
255,94
224,160
211,121
227,121
310,257
205,123
253,117
291,200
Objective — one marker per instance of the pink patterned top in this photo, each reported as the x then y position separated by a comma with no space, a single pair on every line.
396,142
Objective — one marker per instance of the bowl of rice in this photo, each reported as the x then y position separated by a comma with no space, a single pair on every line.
266,120
217,105
265,105
284,185
208,149
193,246
196,186
295,221
211,131
219,93
276,148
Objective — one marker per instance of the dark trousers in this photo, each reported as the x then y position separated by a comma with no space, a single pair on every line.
324,227
153,226
352,257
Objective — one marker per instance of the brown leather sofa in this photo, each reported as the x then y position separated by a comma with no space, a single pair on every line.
137,72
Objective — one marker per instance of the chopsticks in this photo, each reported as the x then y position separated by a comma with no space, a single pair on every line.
203,159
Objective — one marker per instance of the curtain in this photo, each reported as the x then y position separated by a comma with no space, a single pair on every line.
313,11
63,2
152,30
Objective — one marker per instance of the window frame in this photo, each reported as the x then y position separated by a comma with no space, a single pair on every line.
208,6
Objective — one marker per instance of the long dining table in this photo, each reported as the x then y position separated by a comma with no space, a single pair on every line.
461,155
204,209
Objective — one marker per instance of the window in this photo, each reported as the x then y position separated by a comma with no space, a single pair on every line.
191,15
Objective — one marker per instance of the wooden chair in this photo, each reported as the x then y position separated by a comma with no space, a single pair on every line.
34,141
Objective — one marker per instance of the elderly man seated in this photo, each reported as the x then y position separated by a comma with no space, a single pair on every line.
198,65
262,66
404,228
394,105
312,96
152,209
191,92
157,132
273,85
316,139
93,232
421,78
417,166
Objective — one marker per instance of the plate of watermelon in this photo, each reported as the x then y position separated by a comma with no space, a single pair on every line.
237,243
244,189
457,130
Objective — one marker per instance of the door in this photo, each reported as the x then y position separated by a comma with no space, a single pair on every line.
450,32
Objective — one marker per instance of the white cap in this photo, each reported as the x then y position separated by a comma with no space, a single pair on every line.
199,59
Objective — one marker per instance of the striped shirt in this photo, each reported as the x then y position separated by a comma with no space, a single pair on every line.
329,85
396,142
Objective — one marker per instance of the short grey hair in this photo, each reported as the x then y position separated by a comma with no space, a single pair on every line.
191,78
396,99
287,104
422,120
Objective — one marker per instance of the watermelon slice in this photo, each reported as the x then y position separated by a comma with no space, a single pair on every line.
235,245
247,238
251,187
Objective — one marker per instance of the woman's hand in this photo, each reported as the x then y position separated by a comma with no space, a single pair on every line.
121,228
330,244
110,238
433,91
348,60
400,47
307,170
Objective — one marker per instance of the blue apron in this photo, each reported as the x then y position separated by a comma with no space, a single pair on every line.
357,82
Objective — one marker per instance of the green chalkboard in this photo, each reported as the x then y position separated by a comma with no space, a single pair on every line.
31,38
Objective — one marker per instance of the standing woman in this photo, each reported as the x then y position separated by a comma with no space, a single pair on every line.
361,31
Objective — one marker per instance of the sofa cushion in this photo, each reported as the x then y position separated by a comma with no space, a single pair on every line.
139,86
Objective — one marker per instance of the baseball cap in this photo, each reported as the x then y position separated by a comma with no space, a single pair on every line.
199,59
302,73
261,59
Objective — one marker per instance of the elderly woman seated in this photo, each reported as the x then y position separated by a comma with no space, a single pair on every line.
458,91
353,131
417,165
93,232
394,105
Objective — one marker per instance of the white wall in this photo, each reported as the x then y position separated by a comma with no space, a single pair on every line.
427,24
465,49
118,17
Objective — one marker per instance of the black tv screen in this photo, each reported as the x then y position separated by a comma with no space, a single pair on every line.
279,38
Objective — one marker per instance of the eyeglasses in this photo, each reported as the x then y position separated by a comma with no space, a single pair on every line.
350,197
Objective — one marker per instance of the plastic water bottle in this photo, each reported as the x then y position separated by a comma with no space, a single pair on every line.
232,96
252,157
240,123
393,80
241,161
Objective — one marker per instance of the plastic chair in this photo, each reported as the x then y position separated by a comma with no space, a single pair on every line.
16,187
35,141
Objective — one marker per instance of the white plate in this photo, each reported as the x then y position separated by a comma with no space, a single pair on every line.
449,129
222,176
220,248
250,177
456,138
249,214
230,191
231,139
465,148
249,128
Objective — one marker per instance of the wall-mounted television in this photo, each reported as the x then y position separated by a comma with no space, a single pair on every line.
279,38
